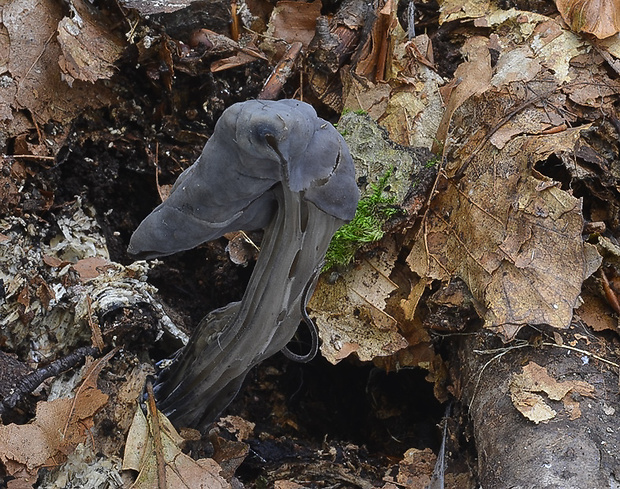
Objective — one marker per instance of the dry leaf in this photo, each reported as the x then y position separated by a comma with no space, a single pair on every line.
59,426
474,76
598,17
181,470
89,49
462,9
416,468
29,39
516,245
350,314
241,428
294,21
523,388
596,313
91,267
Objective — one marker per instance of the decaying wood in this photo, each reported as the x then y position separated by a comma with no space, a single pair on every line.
575,448
281,73
334,45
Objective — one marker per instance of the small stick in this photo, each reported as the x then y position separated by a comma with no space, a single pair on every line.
281,73
234,25
156,432
30,382
611,296
29,157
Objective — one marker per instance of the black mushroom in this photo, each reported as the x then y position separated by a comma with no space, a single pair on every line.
272,165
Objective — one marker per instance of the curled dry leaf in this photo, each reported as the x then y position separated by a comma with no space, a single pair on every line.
598,17
524,386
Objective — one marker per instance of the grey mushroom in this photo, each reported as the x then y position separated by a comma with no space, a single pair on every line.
272,165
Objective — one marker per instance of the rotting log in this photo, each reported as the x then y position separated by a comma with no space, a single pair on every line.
574,448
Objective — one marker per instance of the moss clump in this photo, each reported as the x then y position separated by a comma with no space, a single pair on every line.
366,227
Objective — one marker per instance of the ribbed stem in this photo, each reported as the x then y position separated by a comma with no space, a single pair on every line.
229,341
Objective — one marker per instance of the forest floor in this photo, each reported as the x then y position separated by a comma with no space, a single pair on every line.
474,344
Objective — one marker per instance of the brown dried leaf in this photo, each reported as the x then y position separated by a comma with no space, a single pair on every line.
59,426
350,314
34,79
596,313
241,428
92,267
536,379
294,21
181,470
416,468
239,59
598,17
516,243
474,77
451,10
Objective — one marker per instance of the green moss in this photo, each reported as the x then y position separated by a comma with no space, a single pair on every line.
433,161
358,111
366,227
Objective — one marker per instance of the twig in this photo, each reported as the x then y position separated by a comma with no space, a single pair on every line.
584,352
29,157
611,296
30,382
235,27
281,73
156,432
95,328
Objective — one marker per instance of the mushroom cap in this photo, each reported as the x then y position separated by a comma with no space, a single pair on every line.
255,145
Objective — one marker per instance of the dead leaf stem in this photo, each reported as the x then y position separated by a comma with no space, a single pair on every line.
156,432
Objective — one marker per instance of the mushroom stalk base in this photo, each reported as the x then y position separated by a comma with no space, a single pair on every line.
229,341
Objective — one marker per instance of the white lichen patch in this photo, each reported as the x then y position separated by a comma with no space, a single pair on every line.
55,293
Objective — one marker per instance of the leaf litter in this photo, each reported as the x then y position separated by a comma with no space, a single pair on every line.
59,426
502,227
153,449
